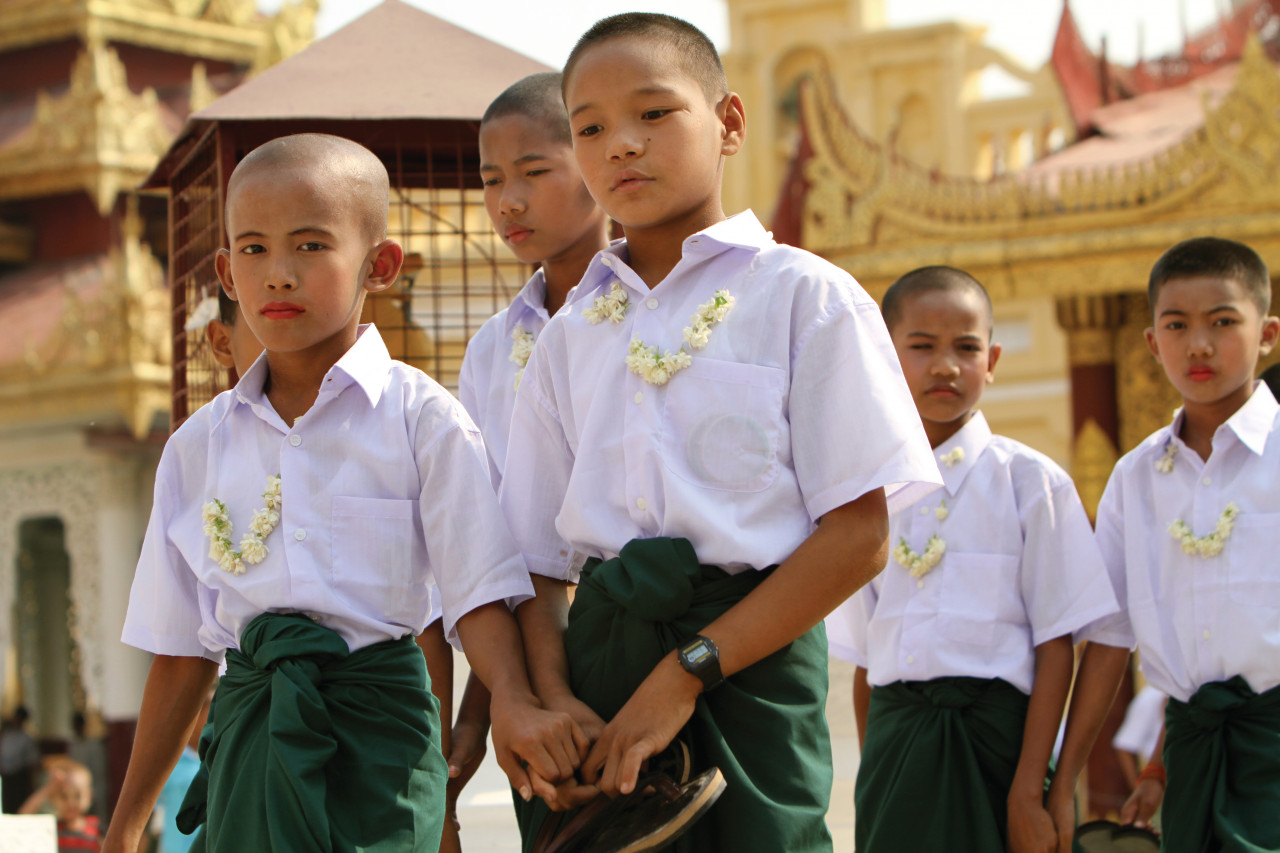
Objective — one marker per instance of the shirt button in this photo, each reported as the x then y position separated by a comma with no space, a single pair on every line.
299,534
911,658
1206,634
1207,481
295,440
652,303
640,504
924,510
639,397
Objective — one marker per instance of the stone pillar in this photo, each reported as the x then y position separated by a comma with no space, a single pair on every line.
1091,324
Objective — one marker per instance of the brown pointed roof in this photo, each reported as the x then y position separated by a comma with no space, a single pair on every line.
393,62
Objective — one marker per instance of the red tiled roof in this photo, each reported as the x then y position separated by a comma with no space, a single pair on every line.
33,302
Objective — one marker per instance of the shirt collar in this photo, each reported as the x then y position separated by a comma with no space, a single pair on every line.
740,231
365,365
531,301
1251,423
962,451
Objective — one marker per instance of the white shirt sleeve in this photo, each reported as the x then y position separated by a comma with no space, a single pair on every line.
470,550
854,427
847,626
1116,629
164,611
1064,582
539,464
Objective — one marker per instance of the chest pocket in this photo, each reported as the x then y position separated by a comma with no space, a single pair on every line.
979,592
722,425
1253,577
373,550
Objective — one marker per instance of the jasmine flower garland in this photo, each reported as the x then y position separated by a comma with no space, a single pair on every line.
253,548
1165,463
953,457
521,348
1209,545
645,362
612,307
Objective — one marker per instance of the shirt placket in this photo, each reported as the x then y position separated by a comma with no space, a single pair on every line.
920,609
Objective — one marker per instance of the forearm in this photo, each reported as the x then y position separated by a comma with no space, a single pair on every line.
1054,662
543,620
439,658
861,703
1101,671
491,639
175,690
848,549
473,710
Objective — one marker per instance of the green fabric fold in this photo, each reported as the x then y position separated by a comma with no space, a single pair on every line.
1222,757
312,748
937,765
765,727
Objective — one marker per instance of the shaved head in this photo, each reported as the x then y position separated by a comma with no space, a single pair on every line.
928,280
345,169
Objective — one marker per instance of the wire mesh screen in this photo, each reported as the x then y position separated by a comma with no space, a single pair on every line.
195,235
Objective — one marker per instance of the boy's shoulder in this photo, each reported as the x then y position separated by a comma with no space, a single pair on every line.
1145,452
1027,466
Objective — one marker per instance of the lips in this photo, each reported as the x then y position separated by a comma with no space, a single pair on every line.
282,310
1201,374
943,391
628,180
516,234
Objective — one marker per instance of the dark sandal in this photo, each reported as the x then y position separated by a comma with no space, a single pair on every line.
664,805
1104,836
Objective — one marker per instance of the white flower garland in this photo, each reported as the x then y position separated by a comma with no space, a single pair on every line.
941,512
953,457
521,348
611,307
1209,545
920,564
253,547
1165,463
645,362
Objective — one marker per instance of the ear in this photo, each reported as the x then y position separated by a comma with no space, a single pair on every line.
222,266
1150,335
734,120
993,355
384,266
1270,333
219,337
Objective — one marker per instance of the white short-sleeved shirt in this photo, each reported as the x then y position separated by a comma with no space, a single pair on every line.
487,383
796,406
1020,568
1196,620
384,491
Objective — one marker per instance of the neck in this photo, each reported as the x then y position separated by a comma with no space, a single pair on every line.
1201,420
939,432
654,252
563,272
294,378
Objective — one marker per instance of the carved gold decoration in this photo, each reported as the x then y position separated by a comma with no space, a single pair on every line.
290,31
1090,322
1147,398
1092,458
99,136
202,93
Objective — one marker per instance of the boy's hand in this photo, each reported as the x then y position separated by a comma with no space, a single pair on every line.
466,751
1062,808
1142,803
549,743
650,720
1031,829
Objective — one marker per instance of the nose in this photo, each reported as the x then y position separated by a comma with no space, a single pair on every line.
1200,344
944,365
512,199
281,275
624,143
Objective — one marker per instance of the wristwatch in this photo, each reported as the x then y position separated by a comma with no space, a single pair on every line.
701,658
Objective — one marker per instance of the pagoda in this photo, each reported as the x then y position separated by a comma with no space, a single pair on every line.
92,93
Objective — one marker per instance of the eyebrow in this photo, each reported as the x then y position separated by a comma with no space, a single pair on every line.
1214,310
644,90
519,161
306,229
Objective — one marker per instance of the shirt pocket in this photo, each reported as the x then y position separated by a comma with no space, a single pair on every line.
722,425
1252,577
373,551
979,593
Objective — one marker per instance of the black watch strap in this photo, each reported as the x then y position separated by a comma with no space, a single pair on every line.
700,657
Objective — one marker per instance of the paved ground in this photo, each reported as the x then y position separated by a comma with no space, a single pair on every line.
488,824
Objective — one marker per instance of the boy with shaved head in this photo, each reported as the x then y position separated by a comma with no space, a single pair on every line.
963,644
299,524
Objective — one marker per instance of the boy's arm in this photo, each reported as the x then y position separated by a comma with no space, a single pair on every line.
175,690
861,703
467,744
550,743
848,548
1031,829
1098,679
1146,797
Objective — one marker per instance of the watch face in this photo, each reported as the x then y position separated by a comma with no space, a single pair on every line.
697,653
